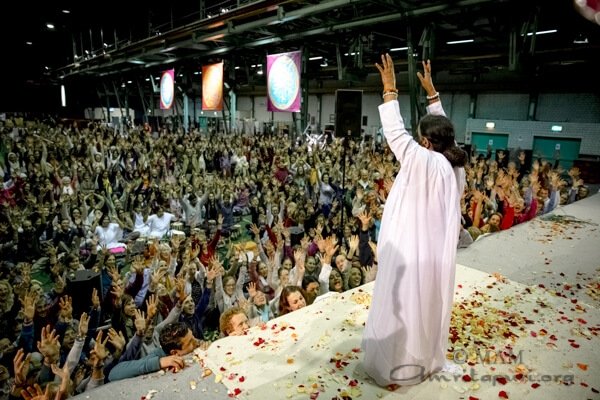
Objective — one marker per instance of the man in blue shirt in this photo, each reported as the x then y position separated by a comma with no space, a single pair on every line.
176,340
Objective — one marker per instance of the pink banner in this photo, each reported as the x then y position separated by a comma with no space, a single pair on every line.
167,89
283,82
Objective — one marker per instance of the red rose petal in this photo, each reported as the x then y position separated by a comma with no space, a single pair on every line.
242,379
222,369
584,384
575,345
501,380
533,333
594,390
535,385
466,378
473,398
582,321
503,394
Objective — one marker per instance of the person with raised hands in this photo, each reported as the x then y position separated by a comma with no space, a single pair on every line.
49,347
26,338
176,341
259,306
417,242
22,379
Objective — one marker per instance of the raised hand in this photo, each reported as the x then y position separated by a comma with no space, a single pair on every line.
304,243
251,289
425,79
388,77
175,242
95,299
365,218
117,339
49,346
140,322
118,289
35,393
28,303
63,372
151,306
180,286
373,247
353,242
21,367
84,323
212,273
113,272
100,347
66,307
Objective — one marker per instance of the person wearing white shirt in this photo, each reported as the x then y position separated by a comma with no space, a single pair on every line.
160,223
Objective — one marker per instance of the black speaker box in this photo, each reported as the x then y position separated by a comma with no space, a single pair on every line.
80,285
348,113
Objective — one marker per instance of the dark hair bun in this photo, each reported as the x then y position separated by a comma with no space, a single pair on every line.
457,156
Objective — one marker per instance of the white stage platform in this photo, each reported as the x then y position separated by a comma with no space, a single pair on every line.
525,325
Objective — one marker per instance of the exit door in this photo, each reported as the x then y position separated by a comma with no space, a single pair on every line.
482,140
552,148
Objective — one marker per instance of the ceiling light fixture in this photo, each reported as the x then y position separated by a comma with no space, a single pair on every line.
461,41
50,26
315,58
399,48
541,32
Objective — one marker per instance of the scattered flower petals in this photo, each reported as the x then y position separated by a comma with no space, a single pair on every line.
584,367
503,394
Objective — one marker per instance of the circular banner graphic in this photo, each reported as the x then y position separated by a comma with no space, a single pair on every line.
284,82
167,90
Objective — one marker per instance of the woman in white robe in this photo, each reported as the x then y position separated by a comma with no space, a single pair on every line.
406,335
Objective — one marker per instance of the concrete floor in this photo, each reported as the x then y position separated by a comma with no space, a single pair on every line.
551,263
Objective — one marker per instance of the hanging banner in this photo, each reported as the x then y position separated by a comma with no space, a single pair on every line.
283,82
167,89
212,87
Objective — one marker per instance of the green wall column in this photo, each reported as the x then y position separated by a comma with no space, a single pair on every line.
186,112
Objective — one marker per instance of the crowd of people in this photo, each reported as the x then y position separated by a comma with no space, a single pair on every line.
196,237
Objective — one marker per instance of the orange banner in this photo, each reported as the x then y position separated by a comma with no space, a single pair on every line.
212,87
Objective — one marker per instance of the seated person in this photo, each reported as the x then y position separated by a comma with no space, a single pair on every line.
160,223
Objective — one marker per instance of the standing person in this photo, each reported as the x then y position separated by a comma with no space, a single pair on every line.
406,335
